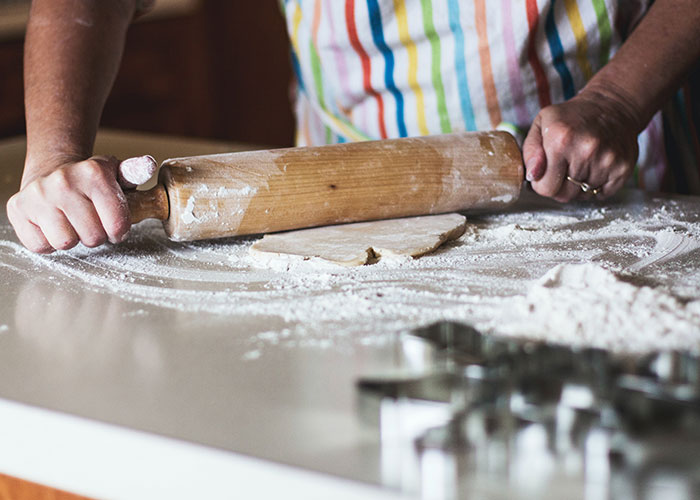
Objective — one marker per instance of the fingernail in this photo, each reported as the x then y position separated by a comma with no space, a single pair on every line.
529,174
123,237
534,169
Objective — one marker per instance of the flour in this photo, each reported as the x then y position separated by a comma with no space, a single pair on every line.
136,171
587,305
504,198
668,246
624,277
188,214
224,192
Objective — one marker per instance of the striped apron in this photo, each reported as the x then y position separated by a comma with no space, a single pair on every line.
370,69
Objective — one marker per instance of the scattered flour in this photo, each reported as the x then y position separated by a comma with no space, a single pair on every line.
668,245
624,277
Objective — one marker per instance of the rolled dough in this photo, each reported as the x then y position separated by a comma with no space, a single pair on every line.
363,242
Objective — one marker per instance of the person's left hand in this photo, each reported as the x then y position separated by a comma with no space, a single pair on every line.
592,138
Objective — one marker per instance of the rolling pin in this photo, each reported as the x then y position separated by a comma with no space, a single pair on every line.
254,192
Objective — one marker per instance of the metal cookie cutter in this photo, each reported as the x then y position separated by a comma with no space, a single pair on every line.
464,411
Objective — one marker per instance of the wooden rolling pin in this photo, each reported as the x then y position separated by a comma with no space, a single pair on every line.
265,191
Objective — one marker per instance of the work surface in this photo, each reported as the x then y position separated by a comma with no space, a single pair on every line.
196,342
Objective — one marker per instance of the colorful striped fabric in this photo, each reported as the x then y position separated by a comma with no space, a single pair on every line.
393,68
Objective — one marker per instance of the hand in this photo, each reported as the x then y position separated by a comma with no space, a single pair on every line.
591,138
75,201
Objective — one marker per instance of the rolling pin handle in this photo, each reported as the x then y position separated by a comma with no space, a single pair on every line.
151,204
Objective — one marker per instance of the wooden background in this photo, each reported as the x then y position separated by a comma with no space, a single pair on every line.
16,489
221,71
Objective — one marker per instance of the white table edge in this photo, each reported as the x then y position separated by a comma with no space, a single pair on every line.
101,460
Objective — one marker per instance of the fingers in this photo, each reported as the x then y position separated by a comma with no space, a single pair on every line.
533,152
57,230
547,165
113,212
577,142
545,157
608,177
29,234
568,191
555,142
78,202
86,222
612,186
108,199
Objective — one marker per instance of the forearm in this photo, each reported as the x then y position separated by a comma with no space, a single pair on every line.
72,54
651,64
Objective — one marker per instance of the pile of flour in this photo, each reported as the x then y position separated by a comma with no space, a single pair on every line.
588,305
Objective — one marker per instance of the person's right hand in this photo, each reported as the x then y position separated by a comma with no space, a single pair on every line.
74,202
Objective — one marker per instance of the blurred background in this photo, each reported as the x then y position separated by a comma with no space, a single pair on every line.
200,68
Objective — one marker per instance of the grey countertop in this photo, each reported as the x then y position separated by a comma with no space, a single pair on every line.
76,355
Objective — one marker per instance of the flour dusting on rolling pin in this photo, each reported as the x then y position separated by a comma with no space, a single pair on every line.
136,171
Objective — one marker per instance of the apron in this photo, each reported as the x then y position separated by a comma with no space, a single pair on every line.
371,69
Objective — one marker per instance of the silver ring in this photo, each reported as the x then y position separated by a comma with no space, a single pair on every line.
585,187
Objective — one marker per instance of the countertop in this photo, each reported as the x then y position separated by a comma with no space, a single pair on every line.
166,381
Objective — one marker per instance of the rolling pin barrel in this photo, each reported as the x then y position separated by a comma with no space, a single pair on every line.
275,190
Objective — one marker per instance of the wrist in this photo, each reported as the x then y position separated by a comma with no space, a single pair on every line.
615,99
42,164
49,148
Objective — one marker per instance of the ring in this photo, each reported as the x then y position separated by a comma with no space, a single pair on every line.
585,187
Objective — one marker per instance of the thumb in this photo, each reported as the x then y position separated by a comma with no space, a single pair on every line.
533,152
135,171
